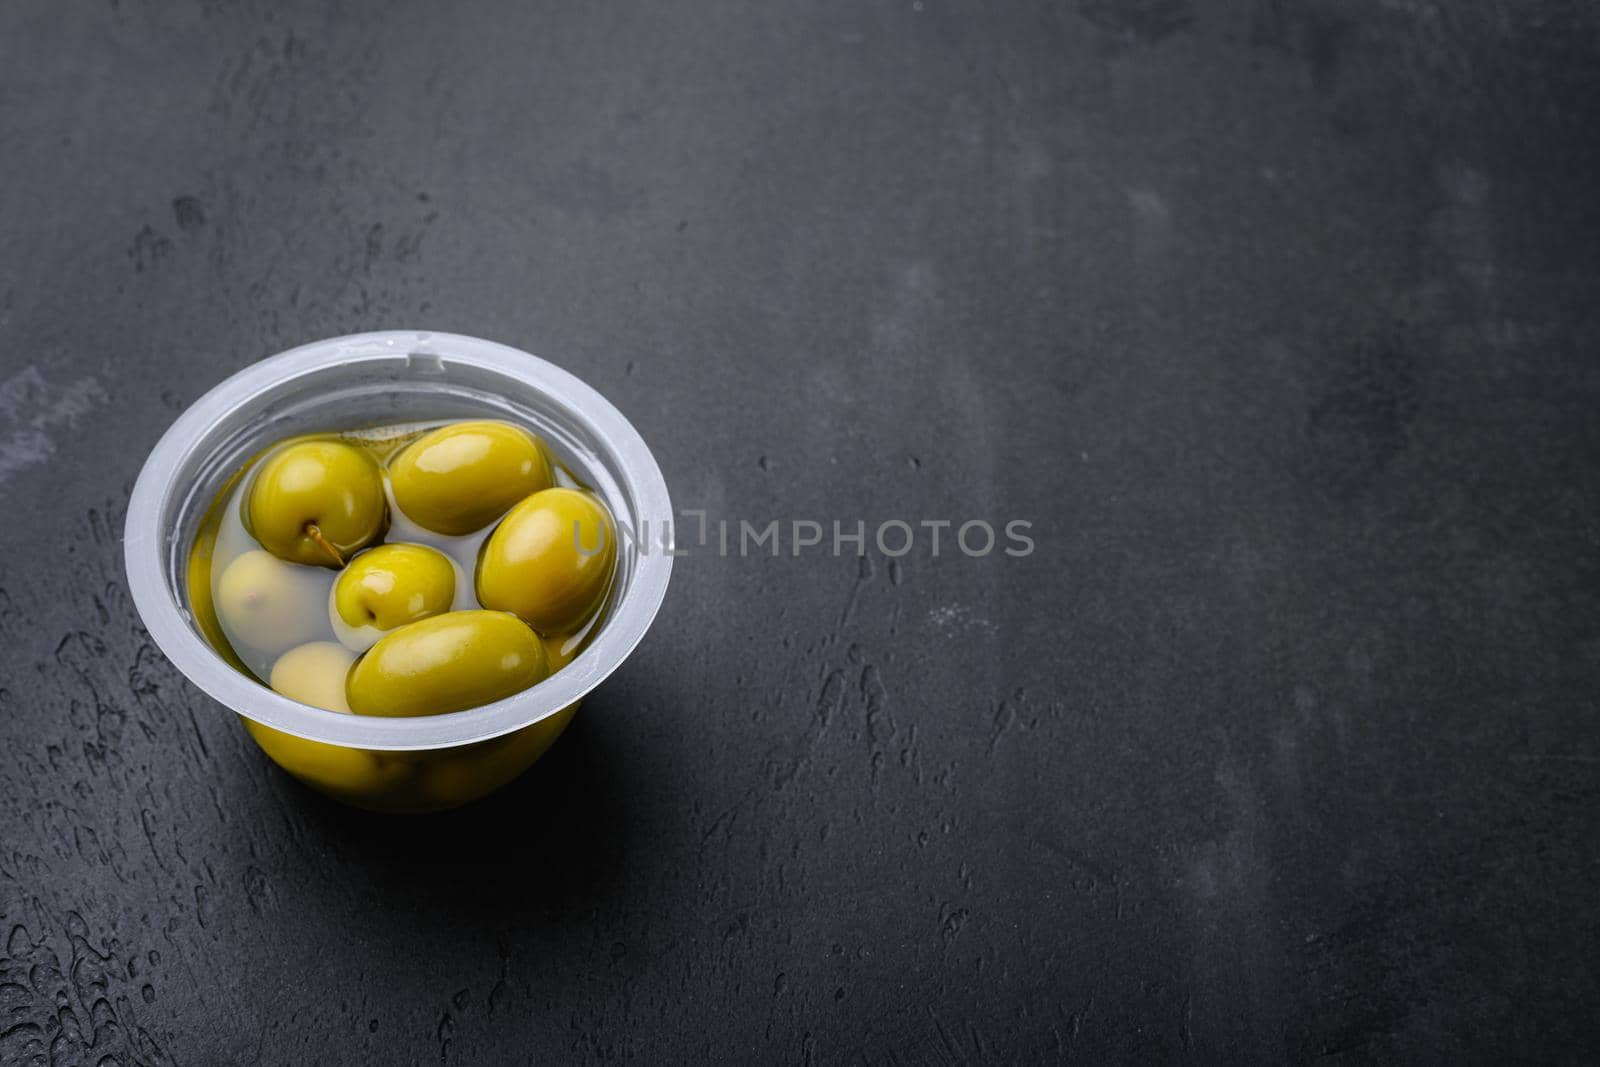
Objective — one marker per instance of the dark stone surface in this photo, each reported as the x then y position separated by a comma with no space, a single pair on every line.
1277,319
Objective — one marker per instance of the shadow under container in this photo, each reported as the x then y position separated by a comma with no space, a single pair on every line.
431,762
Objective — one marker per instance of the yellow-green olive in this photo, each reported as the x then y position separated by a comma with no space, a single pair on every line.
461,477
316,502
267,605
201,557
356,775
454,776
549,561
451,662
314,673
562,649
394,584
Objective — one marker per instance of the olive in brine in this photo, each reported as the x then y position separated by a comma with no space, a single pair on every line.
352,774
316,502
394,584
462,477
549,561
314,673
267,605
562,649
451,662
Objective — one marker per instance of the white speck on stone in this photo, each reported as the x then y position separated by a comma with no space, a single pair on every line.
1149,206
953,618
31,407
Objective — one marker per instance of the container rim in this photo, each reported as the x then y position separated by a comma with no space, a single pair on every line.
147,546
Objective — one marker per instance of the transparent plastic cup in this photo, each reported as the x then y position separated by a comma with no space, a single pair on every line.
426,763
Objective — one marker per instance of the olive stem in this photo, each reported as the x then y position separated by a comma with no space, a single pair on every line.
316,535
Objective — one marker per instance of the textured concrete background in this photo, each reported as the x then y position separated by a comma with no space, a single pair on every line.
1277,319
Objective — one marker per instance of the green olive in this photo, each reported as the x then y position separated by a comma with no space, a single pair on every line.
202,561
562,649
314,673
455,776
356,775
451,662
316,502
267,605
549,561
462,477
394,584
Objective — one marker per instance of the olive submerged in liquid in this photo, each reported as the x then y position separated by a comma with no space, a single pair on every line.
268,605
461,477
314,673
394,584
549,561
316,502
450,662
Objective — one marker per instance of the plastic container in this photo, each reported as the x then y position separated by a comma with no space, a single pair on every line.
394,764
